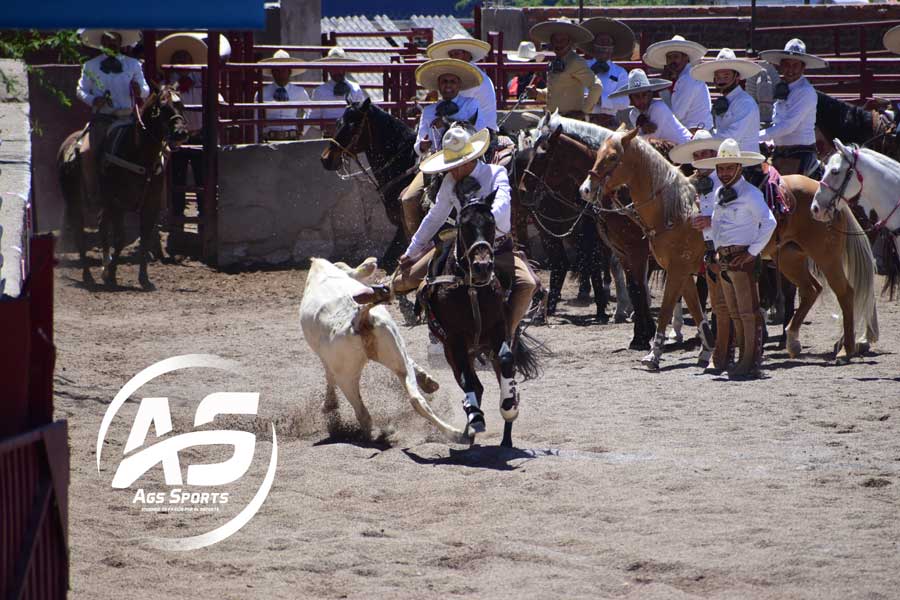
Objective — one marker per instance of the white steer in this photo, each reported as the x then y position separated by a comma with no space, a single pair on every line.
346,330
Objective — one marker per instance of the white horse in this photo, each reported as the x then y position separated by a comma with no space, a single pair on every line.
875,178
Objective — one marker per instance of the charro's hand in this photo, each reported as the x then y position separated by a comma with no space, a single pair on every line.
406,263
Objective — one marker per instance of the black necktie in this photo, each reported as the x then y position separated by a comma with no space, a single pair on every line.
341,88
782,90
281,94
446,108
558,65
111,64
720,106
600,67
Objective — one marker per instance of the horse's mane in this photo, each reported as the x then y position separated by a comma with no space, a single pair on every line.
890,166
676,191
838,119
587,133
388,125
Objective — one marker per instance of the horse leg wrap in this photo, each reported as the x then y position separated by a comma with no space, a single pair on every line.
474,415
652,360
509,398
706,335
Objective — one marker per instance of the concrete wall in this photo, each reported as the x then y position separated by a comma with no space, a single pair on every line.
277,205
15,177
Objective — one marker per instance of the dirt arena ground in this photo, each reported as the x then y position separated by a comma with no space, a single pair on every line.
623,483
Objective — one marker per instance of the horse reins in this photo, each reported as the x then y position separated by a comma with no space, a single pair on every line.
838,194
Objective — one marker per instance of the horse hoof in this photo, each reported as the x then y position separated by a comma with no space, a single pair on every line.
703,359
620,318
475,423
147,285
651,362
842,359
639,345
509,409
87,279
602,318
862,348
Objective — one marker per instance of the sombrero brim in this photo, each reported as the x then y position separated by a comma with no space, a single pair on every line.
477,48
655,86
436,163
272,63
622,35
92,37
774,57
427,74
684,153
192,43
655,56
705,71
746,159
543,31
891,39
514,56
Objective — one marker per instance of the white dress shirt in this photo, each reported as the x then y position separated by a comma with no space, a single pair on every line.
491,177
745,221
94,83
794,119
690,101
708,204
612,81
486,97
295,93
741,121
468,108
325,93
667,126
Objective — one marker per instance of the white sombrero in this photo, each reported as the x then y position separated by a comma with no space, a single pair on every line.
891,39
192,43
477,48
428,73
702,140
337,54
730,153
639,82
543,31
655,56
526,53
622,35
281,56
725,60
796,50
92,37
458,148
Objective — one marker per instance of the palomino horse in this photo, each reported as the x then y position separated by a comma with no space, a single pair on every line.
664,202
559,164
132,180
467,313
873,180
388,145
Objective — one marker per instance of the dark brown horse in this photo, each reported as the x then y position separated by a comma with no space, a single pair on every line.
131,180
561,160
466,311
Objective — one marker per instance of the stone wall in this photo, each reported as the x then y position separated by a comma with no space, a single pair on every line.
277,205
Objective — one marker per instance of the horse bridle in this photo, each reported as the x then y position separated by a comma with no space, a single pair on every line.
838,194
351,151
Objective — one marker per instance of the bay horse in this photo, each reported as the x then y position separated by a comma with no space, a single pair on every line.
387,143
870,179
854,125
132,180
664,203
560,161
467,312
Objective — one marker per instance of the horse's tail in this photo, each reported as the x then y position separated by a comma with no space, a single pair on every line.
891,265
859,265
525,355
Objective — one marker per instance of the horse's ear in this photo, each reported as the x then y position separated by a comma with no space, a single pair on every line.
154,85
556,133
840,146
626,139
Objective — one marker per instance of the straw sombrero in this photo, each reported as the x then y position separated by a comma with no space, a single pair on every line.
92,37
725,60
427,73
730,153
796,50
622,35
655,56
891,39
192,43
702,140
526,53
543,31
639,82
477,48
281,56
458,148
337,54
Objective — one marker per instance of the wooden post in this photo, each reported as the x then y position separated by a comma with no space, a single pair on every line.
752,41
866,90
150,73
477,17
210,148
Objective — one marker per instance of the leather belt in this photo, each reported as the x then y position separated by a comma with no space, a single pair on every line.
727,251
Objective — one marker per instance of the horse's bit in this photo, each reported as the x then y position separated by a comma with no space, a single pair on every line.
839,192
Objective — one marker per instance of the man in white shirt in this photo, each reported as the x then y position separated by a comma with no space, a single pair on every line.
459,160
612,40
448,77
470,50
735,112
651,115
690,98
336,88
742,225
281,90
110,84
705,181
793,129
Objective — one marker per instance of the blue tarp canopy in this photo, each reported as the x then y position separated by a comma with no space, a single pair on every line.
134,14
